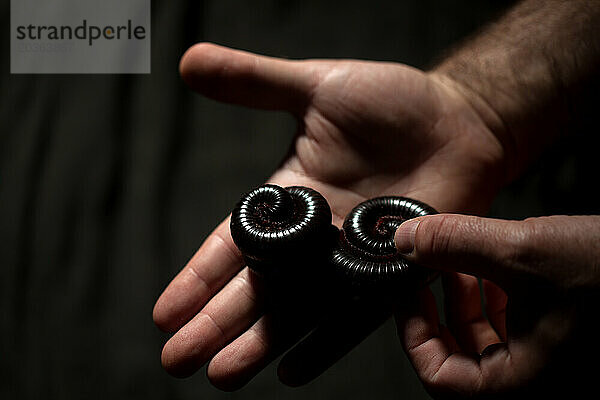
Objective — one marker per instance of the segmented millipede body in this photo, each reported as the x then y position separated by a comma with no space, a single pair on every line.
366,255
276,227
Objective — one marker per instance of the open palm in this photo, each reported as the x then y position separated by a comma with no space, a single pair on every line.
366,129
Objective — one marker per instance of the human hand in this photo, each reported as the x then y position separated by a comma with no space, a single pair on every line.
366,129
540,280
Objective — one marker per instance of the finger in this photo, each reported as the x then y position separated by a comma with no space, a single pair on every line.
447,371
506,252
291,313
248,79
252,351
432,350
438,360
226,316
420,334
495,306
330,341
464,314
461,243
210,268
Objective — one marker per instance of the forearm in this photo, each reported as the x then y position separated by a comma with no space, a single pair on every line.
525,73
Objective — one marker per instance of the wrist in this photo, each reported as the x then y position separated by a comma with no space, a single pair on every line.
522,106
508,166
527,74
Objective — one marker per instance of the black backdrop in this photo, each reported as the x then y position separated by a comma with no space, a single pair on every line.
108,184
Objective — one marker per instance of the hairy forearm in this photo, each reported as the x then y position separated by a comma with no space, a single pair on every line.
526,73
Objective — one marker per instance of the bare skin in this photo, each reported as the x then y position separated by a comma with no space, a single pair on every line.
535,340
356,122
450,137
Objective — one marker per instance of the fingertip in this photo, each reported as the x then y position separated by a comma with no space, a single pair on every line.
224,376
173,364
431,238
202,59
164,317
184,61
159,318
253,80
218,375
234,366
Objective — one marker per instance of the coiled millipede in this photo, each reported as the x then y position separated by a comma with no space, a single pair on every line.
288,231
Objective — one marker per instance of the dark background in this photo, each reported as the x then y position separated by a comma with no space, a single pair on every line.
108,184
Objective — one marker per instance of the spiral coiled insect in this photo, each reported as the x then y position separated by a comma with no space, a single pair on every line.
278,229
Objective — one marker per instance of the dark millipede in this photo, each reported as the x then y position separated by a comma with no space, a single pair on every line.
288,231
366,255
273,226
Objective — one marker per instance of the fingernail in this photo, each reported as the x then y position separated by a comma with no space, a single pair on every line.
405,236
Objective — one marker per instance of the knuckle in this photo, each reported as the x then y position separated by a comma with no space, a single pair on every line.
246,286
445,386
522,240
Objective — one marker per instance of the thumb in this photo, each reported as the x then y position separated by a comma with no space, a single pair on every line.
560,250
248,79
